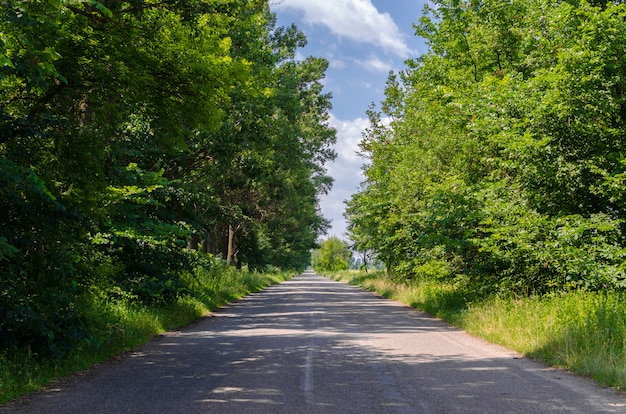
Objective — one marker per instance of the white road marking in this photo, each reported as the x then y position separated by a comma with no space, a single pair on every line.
308,379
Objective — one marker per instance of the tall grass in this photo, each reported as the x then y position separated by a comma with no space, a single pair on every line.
584,332
118,324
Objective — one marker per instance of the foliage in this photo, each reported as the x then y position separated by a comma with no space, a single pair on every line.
37,281
334,255
138,136
496,158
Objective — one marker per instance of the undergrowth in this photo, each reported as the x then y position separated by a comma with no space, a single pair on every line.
583,332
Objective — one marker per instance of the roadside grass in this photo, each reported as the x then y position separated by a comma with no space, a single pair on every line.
119,325
583,332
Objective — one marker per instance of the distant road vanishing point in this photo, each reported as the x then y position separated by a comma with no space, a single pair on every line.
312,345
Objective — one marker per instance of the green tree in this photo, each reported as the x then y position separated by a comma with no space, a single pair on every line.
502,155
334,255
265,165
131,134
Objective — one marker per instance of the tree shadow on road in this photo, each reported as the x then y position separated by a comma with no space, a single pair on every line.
311,345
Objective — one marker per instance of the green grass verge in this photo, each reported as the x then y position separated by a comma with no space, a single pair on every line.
120,325
583,332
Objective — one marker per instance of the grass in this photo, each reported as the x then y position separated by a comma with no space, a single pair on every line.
583,332
119,325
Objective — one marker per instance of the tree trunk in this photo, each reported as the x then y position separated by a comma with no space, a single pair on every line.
365,260
230,255
193,242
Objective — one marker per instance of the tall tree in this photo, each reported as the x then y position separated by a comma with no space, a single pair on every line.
132,130
503,142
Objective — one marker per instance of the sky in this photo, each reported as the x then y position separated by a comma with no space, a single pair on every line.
362,40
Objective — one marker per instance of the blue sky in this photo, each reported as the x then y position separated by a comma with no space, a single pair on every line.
362,40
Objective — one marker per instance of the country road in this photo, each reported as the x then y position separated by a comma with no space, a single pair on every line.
311,345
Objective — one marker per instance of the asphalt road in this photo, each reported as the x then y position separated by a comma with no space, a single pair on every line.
311,345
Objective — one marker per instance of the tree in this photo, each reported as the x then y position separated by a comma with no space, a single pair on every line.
131,134
265,165
334,255
502,147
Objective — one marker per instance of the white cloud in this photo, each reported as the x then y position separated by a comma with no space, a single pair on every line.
349,135
375,64
346,170
299,57
336,62
358,20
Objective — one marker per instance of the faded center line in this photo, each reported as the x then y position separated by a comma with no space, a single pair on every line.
309,396
308,379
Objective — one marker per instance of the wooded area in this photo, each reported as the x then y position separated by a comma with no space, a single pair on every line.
497,159
140,138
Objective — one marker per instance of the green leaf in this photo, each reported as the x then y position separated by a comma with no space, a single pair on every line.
5,61
6,250
101,7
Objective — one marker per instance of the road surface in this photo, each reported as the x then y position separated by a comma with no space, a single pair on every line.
311,345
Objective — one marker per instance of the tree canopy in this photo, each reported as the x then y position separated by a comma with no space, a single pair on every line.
333,255
497,158
136,135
